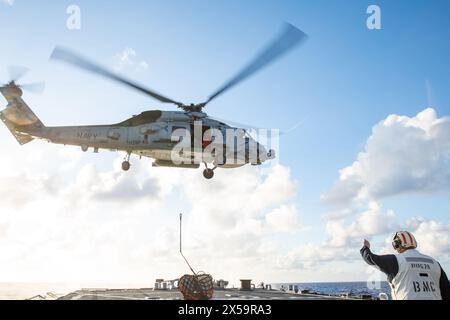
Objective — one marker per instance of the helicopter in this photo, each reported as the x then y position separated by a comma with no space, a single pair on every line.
151,133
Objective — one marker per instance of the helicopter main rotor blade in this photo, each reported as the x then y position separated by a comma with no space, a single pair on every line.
76,60
290,38
17,72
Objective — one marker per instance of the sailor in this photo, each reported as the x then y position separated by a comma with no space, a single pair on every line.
411,274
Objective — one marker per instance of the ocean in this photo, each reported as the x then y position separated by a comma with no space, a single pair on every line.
336,288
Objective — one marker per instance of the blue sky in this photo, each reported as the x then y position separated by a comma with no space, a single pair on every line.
342,82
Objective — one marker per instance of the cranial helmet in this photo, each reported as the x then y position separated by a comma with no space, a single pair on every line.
404,239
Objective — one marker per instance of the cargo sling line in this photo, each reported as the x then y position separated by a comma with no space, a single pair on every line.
198,286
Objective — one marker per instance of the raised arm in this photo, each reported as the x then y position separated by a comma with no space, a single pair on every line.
386,263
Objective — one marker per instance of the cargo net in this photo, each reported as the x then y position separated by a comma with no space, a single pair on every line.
196,287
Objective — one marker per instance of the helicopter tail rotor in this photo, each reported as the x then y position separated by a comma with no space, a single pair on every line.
35,87
18,116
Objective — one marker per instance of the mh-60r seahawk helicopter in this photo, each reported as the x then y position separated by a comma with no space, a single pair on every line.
150,134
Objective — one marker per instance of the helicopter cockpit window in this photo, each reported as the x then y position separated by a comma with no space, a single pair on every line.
143,118
250,135
180,130
241,133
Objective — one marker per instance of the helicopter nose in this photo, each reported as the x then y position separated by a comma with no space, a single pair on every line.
271,154
264,155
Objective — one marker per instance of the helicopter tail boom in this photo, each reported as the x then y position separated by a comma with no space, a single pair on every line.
18,117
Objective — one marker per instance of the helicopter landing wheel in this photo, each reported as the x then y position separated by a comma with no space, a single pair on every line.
126,165
208,173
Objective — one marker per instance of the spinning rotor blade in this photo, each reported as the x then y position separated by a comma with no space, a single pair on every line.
37,87
75,60
17,72
290,37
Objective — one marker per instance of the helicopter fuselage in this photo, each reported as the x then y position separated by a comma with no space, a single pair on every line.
150,134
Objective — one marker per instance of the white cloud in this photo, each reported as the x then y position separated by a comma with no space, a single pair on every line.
233,217
143,65
128,59
311,256
433,237
372,222
72,221
8,2
344,240
403,155
284,219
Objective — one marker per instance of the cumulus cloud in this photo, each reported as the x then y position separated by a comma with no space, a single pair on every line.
403,155
372,222
433,237
75,221
114,185
233,217
128,59
8,2
308,256
344,238
284,219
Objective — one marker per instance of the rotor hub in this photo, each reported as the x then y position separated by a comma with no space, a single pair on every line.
192,107
12,89
12,84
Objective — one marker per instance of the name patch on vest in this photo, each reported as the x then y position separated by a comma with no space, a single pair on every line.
424,286
421,266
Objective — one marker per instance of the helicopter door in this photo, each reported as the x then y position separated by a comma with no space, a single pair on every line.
113,134
206,137
177,127
180,136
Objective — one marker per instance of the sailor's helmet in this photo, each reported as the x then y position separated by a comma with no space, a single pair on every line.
404,239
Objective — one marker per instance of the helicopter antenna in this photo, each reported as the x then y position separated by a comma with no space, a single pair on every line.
181,248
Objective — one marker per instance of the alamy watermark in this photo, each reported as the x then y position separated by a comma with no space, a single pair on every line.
226,147
373,22
374,282
74,20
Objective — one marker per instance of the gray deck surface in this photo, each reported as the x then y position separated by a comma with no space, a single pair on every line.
222,294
